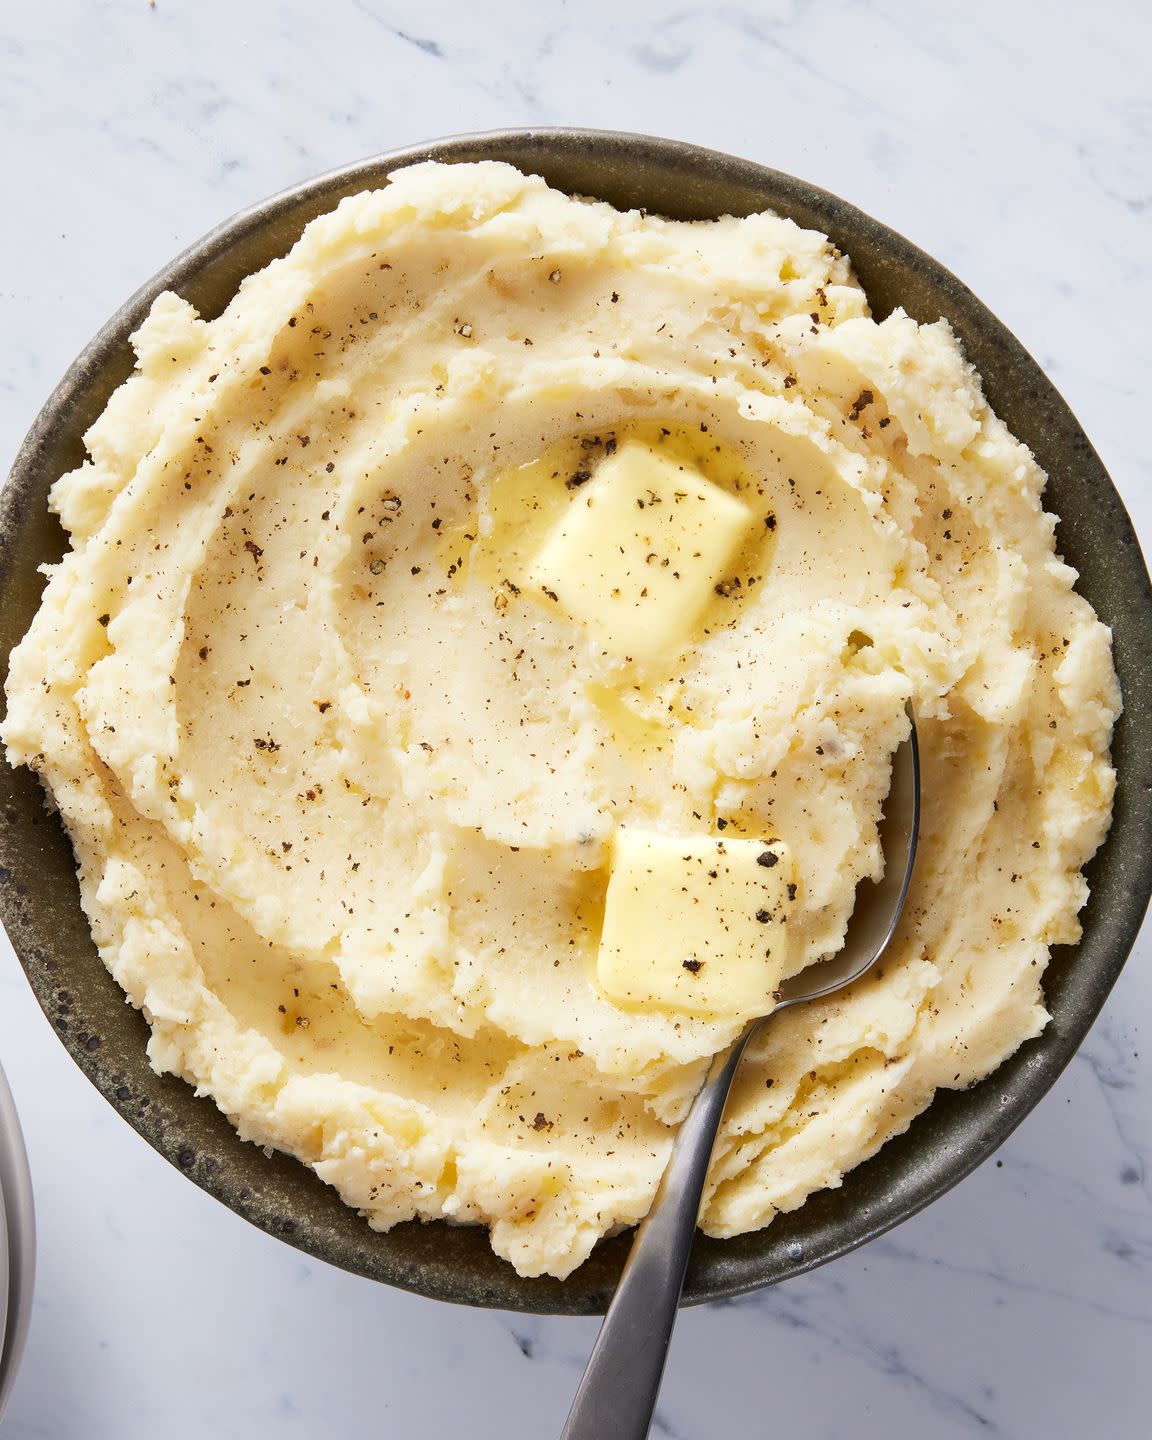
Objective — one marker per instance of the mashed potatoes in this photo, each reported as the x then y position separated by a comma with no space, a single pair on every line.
349,738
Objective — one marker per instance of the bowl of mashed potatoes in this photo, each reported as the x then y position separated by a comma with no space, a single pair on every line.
483,589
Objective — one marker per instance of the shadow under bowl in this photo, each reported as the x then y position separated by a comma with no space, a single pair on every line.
39,896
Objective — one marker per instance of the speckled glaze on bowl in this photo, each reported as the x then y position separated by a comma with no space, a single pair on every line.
39,897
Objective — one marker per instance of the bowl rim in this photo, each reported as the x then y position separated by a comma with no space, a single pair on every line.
1025,1077
18,1216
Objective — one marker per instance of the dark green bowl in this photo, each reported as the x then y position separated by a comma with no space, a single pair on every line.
39,899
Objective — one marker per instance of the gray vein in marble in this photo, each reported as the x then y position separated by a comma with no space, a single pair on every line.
661,1425
1116,1078
566,1343
429,47
894,1251
1066,1191
658,61
1128,1249
420,42
525,1342
793,1308
771,32
1122,171
127,137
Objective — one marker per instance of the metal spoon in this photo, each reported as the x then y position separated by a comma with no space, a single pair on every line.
618,1393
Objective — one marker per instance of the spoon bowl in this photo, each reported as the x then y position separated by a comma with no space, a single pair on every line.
878,903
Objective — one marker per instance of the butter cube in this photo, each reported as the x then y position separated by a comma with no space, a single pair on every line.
695,924
640,550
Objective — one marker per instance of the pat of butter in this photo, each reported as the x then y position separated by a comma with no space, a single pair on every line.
640,550
695,923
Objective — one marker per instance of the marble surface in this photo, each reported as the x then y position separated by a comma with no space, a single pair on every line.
1009,143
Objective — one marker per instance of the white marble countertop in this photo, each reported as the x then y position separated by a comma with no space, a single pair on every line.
1007,141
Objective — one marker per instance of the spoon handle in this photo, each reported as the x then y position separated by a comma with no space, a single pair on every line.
618,1393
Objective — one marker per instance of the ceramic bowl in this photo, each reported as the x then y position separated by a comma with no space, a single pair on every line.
38,892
